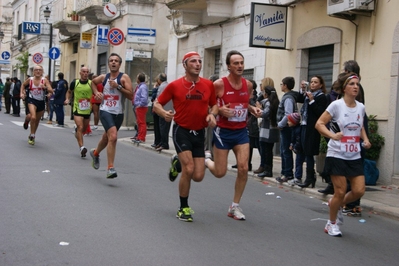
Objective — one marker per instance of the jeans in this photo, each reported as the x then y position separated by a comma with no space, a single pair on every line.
51,107
287,162
59,112
266,157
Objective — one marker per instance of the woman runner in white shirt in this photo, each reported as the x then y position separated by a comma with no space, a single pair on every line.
343,154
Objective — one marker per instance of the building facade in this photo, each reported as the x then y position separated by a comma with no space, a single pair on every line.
321,36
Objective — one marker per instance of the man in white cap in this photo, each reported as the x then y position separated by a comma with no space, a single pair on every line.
195,107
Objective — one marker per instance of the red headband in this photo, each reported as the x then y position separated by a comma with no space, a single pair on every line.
188,55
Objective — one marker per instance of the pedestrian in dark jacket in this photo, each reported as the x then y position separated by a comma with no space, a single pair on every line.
16,97
59,98
269,133
314,104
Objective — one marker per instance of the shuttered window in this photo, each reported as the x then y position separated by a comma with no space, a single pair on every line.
321,63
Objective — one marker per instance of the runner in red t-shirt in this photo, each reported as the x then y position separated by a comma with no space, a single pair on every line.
195,107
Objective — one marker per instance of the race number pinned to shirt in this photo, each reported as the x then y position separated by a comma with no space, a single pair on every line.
84,104
240,112
350,144
111,101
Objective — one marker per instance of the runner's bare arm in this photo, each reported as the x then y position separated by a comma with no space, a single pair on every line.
127,88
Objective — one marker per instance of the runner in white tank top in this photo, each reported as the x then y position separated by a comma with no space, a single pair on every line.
35,101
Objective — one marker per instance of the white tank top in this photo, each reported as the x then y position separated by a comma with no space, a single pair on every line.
36,92
113,101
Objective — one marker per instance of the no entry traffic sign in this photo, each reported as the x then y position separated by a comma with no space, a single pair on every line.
37,58
115,36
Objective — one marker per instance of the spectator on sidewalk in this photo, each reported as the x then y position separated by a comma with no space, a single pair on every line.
269,133
60,97
155,116
164,126
16,97
7,95
287,106
1,93
141,107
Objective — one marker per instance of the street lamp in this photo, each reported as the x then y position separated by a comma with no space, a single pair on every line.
47,13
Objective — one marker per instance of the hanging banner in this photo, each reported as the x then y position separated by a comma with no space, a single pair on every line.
268,26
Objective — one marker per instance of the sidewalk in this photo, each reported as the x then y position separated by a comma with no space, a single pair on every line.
378,200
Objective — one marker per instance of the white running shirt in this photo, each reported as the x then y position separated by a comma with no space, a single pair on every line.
350,121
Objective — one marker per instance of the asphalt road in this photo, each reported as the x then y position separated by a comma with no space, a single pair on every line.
55,209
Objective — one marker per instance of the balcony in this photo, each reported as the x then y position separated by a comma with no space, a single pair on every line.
93,10
197,12
62,20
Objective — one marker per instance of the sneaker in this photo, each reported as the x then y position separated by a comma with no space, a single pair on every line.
236,213
96,159
57,125
49,122
83,151
95,127
185,214
111,173
332,229
283,178
175,168
31,140
26,124
294,181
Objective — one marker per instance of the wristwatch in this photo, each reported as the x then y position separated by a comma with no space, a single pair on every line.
119,87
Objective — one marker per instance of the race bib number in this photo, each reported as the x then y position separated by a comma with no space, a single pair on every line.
240,112
36,91
111,101
350,144
84,104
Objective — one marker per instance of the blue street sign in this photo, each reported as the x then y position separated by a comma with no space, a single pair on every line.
5,55
54,53
141,35
102,33
31,27
141,32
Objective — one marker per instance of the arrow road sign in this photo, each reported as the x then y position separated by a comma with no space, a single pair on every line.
141,35
54,53
5,55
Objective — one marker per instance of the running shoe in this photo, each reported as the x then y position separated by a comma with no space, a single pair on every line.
26,124
236,213
83,151
332,229
185,214
175,168
95,127
356,211
96,159
111,173
31,140
208,155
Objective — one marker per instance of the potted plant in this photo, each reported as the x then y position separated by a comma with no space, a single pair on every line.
371,171
322,155
73,15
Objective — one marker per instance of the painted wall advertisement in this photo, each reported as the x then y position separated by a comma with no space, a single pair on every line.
268,26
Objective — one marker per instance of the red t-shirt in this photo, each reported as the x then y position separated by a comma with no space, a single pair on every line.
100,88
238,100
191,102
